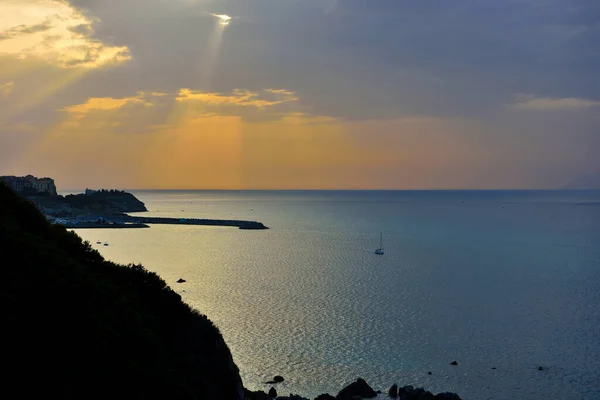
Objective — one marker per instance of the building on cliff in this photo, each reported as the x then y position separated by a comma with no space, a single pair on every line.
30,183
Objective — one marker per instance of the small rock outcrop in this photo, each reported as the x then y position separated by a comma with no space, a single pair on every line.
410,393
325,396
181,280
258,395
453,363
426,396
272,392
278,379
359,388
446,396
393,392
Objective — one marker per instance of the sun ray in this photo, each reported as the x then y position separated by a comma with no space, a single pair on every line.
45,46
56,82
213,48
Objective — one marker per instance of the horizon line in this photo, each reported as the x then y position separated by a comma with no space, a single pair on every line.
343,190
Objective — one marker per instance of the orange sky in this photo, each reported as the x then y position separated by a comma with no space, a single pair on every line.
85,109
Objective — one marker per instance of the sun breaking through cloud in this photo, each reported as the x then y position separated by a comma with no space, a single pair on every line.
224,19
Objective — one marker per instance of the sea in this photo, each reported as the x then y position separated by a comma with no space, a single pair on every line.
502,282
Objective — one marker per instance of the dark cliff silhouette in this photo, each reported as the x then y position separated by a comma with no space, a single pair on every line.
76,326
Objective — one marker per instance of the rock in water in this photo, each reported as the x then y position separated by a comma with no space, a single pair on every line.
272,392
325,396
393,392
446,396
181,280
426,396
407,393
258,395
359,388
278,378
453,363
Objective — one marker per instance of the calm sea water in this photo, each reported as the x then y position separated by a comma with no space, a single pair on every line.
504,280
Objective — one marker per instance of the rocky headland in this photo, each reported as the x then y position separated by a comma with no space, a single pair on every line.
103,203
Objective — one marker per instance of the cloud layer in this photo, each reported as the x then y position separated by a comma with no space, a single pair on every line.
383,93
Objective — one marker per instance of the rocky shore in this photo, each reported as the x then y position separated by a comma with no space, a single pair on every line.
357,390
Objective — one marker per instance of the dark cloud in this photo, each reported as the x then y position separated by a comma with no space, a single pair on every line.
363,59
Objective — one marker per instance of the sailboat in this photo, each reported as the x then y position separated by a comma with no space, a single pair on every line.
379,250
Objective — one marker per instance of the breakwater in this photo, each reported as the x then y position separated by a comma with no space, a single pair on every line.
250,225
99,225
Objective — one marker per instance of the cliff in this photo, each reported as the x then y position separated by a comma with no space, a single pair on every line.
92,202
77,326
120,201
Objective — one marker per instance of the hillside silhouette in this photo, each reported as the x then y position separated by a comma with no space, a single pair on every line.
76,326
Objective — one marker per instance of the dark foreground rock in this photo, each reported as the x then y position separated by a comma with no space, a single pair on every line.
257,395
325,396
447,396
359,388
427,396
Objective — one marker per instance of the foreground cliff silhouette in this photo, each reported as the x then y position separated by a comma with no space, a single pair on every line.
76,326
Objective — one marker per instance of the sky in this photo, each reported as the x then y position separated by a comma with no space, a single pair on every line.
301,94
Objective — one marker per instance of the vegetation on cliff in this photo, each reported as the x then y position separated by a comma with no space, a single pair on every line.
118,200
76,326
94,202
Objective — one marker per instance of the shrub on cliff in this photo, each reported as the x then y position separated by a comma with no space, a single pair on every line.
76,326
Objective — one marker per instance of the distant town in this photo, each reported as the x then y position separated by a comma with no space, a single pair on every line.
30,185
